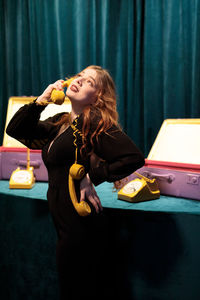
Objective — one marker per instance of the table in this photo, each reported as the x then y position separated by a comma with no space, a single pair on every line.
156,246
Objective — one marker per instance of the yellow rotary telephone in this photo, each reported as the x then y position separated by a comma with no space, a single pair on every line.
139,189
23,179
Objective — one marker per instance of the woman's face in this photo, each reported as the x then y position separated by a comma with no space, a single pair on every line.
84,88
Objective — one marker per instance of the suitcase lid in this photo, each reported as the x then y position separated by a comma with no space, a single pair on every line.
178,141
14,104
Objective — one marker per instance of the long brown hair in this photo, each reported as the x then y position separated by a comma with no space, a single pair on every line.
104,108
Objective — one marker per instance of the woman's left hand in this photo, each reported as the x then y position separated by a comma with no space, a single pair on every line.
87,191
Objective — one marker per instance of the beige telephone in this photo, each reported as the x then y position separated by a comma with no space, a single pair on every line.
139,189
76,172
22,179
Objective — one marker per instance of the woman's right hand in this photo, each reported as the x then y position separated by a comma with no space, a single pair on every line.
45,97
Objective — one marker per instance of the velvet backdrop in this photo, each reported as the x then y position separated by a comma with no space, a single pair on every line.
151,47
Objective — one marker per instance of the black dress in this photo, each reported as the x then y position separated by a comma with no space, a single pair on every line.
82,241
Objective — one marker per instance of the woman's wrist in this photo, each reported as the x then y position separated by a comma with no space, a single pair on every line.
87,176
41,101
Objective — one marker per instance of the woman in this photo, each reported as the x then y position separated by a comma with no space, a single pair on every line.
107,154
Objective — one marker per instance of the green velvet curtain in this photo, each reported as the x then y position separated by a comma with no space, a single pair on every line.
151,48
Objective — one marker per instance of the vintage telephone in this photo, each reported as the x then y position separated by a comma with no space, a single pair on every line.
139,189
23,179
77,172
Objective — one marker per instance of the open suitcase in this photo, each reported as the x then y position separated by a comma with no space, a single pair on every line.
13,154
174,159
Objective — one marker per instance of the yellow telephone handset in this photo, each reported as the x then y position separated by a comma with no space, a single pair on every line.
58,97
77,172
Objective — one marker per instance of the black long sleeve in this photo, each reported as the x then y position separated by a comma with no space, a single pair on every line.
121,157
26,127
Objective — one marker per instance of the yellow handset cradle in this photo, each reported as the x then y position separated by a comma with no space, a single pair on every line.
139,189
22,179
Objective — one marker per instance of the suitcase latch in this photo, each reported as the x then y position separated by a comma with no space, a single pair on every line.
193,179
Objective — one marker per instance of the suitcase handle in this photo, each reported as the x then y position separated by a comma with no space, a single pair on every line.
35,164
165,177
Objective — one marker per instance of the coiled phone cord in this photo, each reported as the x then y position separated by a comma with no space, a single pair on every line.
76,172
75,131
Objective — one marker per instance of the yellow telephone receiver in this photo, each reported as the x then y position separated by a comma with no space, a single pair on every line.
58,97
77,172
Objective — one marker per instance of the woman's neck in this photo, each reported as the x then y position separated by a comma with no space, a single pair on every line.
75,112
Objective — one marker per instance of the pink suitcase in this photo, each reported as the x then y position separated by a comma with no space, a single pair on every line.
12,158
174,159
13,154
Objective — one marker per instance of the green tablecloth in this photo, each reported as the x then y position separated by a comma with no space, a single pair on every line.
156,246
109,199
